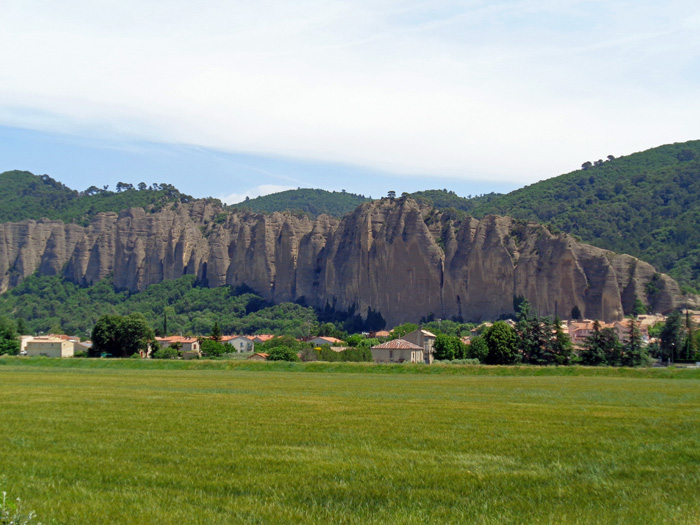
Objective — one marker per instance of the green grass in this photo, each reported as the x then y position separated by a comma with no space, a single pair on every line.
99,441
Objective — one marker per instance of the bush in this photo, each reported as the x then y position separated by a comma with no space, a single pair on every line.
282,353
211,348
166,353
308,354
465,362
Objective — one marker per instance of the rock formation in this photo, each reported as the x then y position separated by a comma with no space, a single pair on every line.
393,256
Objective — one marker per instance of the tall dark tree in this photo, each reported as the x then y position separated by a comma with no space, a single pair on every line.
593,351
561,346
671,337
612,348
633,351
689,350
9,341
215,333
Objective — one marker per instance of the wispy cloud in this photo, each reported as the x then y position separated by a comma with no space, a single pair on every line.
263,189
518,88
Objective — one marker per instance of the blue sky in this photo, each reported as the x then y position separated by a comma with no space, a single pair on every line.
235,99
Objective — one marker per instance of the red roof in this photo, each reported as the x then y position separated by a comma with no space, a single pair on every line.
398,344
264,337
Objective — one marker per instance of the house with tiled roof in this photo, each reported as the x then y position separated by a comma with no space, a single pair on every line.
262,338
241,343
330,341
425,340
397,351
189,344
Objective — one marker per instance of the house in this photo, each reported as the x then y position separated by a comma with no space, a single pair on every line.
259,357
425,340
262,338
397,351
380,333
241,343
330,341
49,347
189,344
580,330
622,329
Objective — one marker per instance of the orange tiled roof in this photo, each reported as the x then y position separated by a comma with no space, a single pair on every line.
398,344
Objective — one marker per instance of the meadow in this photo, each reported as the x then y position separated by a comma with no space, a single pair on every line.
97,441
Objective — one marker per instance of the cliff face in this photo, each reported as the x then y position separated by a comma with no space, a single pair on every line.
392,256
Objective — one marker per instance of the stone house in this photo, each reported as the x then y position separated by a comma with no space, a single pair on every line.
397,351
49,347
425,340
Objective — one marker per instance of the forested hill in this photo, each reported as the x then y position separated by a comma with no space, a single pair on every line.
313,202
27,196
646,204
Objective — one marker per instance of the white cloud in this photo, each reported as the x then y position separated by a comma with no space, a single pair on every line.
508,89
258,191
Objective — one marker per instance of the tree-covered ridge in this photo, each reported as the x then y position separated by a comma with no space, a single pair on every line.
646,204
52,304
313,202
27,196
445,200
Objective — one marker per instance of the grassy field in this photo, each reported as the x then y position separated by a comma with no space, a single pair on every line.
129,443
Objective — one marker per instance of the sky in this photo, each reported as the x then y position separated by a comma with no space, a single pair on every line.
232,99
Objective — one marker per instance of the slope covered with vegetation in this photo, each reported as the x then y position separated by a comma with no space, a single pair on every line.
27,196
313,202
646,204
52,304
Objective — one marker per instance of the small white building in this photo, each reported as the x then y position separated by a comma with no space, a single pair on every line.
49,347
241,343
397,351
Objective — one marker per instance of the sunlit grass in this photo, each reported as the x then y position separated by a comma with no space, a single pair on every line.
120,445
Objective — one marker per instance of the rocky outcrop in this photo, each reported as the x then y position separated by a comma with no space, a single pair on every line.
392,256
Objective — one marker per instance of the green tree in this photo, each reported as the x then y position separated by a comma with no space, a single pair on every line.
399,331
121,336
444,348
593,351
671,337
502,342
9,341
689,350
633,351
477,349
282,353
211,348
612,347
562,348
215,333
639,307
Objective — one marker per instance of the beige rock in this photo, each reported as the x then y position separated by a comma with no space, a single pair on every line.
393,256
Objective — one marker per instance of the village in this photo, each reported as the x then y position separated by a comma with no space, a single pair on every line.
416,346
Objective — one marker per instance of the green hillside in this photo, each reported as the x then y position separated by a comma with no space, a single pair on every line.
646,204
52,304
27,196
313,202
445,200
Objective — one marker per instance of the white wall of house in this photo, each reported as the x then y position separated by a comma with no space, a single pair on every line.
394,355
55,348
